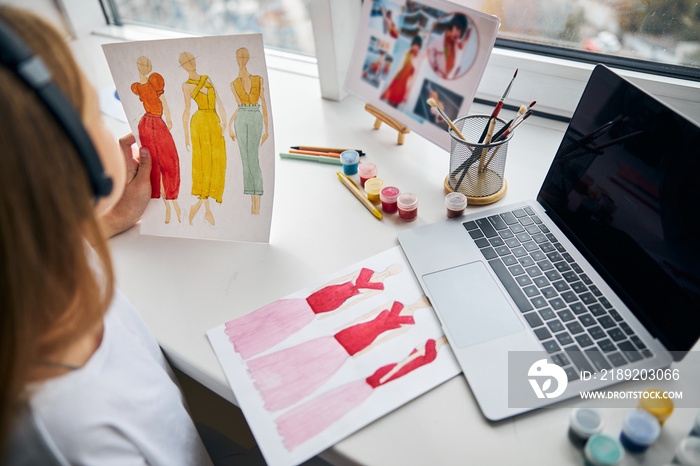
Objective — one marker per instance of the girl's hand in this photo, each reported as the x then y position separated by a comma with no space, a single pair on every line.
129,209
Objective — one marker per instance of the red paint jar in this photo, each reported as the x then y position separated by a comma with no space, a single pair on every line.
407,204
388,196
366,170
455,204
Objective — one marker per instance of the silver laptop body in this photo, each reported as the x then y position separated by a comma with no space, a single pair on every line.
479,287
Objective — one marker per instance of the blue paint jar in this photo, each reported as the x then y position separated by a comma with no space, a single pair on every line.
688,452
640,429
695,431
350,160
584,423
603,450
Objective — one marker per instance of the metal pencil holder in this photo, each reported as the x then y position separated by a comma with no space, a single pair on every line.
477,170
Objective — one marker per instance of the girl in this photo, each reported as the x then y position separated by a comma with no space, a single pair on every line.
75,359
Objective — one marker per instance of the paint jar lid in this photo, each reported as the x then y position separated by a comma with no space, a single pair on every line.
688,452
407,201
661,408
456,201
696,425
349,157
586,421
389,194
367,169
641,427
603,450
374,186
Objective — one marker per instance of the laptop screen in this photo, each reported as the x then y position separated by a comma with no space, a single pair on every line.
624,186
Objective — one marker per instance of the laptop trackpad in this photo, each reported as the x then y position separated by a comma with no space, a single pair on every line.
471,304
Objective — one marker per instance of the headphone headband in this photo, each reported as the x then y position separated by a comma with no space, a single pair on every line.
16,56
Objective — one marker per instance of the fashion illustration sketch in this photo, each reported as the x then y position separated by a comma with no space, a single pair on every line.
312,417
154,134
382,347
247,124
265,327
206,130
195,155
287,376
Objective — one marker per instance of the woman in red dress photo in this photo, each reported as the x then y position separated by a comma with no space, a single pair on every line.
397,91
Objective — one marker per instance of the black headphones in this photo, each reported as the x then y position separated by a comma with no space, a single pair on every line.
16,56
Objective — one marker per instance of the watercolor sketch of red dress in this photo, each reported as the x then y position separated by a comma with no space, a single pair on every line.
287,376
271,324
154,134
307,420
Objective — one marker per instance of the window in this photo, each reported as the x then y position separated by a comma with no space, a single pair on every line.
553,43
661,36
284,24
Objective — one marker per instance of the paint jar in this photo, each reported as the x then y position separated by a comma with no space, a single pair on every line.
388,196
695,430
408,206
350,160
639,430
366,171
603,450
584,423
455,204
373,187
653,402
688,452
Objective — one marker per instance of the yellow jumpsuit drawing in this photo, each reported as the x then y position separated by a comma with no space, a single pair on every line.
208,146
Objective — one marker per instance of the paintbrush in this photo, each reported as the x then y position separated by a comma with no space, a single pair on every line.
434,104
498,108
515,121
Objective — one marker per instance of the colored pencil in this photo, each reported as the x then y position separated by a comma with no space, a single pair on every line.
325,149
312,158
310,152
353,188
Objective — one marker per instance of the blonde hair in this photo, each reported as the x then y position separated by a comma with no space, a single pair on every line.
50,293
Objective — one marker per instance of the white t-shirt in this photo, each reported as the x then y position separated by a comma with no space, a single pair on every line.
123,407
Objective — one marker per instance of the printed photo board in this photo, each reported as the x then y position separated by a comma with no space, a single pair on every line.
407,52
313,367
202,107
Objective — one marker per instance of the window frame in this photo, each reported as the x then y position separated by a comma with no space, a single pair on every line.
556,83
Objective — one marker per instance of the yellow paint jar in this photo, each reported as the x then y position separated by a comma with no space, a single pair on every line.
373,187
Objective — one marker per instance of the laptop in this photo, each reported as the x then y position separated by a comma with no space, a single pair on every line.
600,272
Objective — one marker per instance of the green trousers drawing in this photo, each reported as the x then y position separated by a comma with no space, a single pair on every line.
249,125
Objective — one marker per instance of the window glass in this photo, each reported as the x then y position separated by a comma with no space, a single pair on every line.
661,31
649,31
284,24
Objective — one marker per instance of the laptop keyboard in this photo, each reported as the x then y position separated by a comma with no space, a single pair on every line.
574,322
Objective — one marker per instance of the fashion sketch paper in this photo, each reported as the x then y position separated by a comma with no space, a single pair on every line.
407,52
202,107
313,367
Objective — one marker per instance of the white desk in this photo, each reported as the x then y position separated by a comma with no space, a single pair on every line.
182,288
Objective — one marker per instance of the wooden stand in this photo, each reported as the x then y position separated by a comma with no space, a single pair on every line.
382,118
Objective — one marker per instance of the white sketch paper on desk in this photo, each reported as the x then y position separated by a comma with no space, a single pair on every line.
202,107
312,368
408,51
